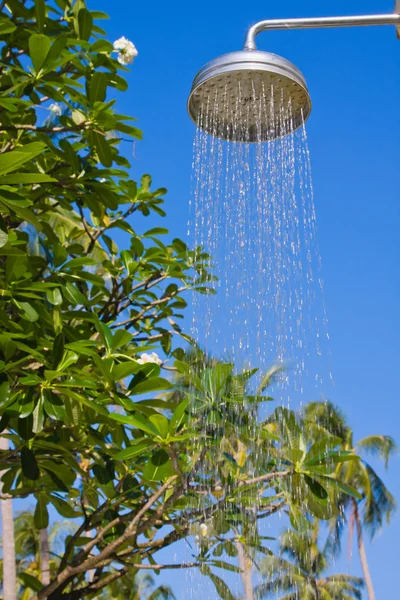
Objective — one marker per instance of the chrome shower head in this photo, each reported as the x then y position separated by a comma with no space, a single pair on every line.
249,96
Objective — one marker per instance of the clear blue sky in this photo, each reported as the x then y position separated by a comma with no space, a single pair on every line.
354,136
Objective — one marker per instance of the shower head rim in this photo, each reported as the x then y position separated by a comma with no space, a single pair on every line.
250,61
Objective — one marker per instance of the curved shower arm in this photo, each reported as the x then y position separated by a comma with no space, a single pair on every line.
318,22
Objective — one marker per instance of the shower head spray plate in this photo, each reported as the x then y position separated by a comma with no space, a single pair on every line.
249,96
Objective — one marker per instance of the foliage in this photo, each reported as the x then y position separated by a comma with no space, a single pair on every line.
298,573
27,549
90,433
376,503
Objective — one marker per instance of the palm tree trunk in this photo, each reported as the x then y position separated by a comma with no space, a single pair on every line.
9,563
44,557
363,554
245,566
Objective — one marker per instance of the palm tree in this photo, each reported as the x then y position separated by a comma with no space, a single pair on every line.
377,504
9,563
298,573
36,550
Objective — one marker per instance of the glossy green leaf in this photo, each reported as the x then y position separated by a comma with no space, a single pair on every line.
29,465
98,87
85,23
30,581
62,507
6,25
159,467
41,513
221,587
39,46
10,161
103,148
161,424
136,421
26,178
54,296
40,13
178,416
152,384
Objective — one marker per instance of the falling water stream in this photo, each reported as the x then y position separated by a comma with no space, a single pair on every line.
252,210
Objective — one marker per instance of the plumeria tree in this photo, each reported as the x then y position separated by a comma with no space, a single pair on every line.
86,328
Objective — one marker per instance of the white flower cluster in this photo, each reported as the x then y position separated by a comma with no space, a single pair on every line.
126,51
55,109
149,358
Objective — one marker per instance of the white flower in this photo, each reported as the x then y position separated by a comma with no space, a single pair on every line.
149,358
55,108
203,529
103,180
126,51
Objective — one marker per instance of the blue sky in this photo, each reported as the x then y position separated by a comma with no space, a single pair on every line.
354,134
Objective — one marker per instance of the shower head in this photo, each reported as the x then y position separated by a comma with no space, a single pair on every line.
249,96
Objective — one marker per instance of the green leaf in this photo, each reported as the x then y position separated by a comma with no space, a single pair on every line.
156,231
6,25
178,415
322,446
220,564
222,589
103,474
316,488
55,51
62,507
10,161
78,117
38,416
58,349
22,407
9,103
60,470
75,263
132,451
101,46
54,406
39,46
136,421
30,582
153,384
122,370
161,424
41,516
330,481
85,24
103,148
121,338
26,178
54,296
332,457
4,394
40,13
98,87
159,467
29,465
28,311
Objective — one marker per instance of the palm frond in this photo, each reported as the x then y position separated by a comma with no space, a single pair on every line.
382,446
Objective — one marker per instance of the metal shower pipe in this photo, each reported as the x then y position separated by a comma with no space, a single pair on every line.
319,22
